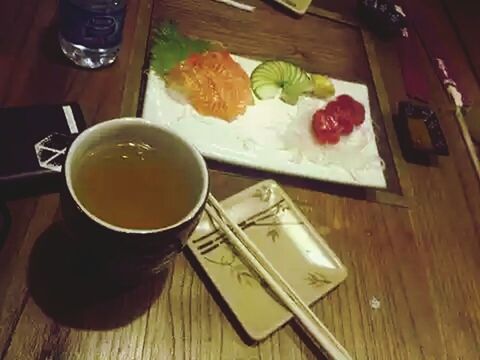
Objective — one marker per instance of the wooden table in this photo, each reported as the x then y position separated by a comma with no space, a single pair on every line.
420,257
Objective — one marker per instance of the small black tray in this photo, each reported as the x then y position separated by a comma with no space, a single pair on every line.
413,149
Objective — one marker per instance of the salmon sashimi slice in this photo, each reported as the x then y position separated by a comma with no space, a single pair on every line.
213,83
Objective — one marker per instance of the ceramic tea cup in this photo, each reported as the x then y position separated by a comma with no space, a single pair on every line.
128,253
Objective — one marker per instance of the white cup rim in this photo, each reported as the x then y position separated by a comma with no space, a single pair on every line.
142,122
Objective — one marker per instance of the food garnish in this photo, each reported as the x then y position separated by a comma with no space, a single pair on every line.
273,77
170,47
322,86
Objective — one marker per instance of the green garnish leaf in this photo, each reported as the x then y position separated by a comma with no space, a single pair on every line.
170,47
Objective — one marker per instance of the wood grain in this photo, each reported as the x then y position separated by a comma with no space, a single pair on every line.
184,322
420,262
464,17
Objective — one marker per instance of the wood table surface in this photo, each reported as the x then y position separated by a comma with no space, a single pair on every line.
420,260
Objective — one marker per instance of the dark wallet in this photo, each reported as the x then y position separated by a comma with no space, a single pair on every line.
33,144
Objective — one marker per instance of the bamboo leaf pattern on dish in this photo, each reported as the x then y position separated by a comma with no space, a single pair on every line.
317,279
242,273
237,269
264,193
267,217
273,234
275,216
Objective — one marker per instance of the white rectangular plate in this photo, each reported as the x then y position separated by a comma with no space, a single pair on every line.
286,238
274,136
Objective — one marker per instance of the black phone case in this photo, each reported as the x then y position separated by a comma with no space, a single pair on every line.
33,144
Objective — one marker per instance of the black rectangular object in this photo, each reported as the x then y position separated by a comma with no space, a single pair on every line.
33,144
416,153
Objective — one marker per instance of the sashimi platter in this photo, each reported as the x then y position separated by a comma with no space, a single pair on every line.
269,115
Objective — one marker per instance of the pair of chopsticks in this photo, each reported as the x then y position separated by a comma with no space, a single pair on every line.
256,261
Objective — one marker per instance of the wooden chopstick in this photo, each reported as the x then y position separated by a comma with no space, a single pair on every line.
468,140
264,269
